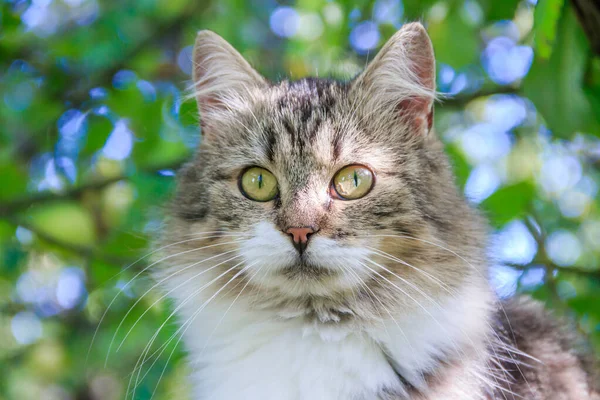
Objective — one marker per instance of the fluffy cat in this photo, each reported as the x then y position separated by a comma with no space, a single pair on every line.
317,247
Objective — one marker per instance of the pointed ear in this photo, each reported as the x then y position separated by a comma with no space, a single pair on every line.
401,79
221,75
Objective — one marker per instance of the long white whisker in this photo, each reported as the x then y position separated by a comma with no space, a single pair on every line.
427,274
177,271
471,266
197,313
421,292
411,298
172,290
230,306
135,277
364,285
153,338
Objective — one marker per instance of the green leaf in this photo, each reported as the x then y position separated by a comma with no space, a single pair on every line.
582,303
593,75
545,21
415,9
508,203
188,114
99,128
67,222
497,10
456,42
460,166
556,86
13,181
154,189
128,245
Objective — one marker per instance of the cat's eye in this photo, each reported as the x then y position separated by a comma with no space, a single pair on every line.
352,182
258,184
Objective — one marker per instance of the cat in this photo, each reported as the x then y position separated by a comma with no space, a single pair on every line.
317,247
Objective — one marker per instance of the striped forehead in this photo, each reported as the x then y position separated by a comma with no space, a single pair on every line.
303,126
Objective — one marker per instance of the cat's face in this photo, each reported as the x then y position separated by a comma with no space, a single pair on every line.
320,188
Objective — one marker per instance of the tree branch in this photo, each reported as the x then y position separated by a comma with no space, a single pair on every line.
19,204
82,251
83,81
590,273
588,13
462,100
538,233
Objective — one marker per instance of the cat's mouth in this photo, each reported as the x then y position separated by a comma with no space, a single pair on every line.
307,270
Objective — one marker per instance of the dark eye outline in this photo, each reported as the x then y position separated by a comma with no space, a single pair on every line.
243,192
333,191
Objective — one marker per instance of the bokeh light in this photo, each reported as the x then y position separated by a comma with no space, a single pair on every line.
284,21
505,61
515,244
120,142
563,247
26,327
365,37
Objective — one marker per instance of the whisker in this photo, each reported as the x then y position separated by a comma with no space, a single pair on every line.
414,300
189,322
134,278
498,364
421,292
472,267
177,271
426,296
385,308
427,274
198,313
172,290
153,338
230,306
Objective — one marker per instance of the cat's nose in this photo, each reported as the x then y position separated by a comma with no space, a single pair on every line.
300,237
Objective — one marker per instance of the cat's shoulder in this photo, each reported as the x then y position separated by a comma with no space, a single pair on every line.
543,353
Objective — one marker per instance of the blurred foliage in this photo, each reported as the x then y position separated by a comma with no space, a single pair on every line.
93,125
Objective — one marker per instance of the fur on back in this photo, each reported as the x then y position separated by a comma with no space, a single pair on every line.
390,299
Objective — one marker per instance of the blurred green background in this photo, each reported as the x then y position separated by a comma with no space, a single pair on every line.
93,125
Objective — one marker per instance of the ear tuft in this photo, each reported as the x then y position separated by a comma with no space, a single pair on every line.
220,73
401,78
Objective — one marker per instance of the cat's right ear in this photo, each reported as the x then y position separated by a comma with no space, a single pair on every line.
221,76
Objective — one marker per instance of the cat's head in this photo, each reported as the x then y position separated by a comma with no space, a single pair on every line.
318,188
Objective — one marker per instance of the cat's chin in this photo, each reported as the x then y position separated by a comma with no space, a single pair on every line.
305,269
304,278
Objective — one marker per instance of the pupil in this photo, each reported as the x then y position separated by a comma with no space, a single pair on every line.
260,181
355,179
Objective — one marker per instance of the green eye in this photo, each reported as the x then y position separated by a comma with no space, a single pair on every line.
352,182
258,184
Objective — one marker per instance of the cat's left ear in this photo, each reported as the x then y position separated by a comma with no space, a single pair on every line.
401,79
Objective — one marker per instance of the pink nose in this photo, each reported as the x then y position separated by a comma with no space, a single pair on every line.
300,237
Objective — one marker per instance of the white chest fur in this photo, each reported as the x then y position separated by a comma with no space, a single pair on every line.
235,353
285,360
